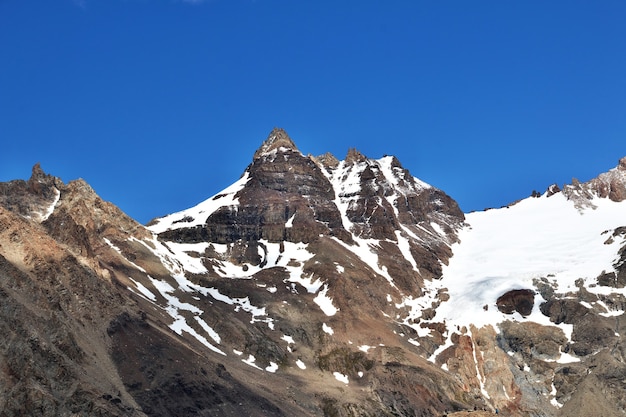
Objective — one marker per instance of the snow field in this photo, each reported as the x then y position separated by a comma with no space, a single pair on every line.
506,249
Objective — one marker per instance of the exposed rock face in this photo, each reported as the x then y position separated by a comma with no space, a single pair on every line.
54,358
290,185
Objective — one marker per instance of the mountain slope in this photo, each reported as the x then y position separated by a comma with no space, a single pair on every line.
76,340
314,286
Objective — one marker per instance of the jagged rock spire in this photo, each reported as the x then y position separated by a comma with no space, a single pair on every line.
354,156
327,160
277,138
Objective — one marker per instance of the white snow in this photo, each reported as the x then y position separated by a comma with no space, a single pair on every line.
143,290
341,377
416,306
327,329
273,367
567,358
175,257
208,329
311,285
189,263
364,249
240,304
325,302
437,228
118,250
346,181
553,400
180,324
251,361
405,248
52,206
413,342
391,173
608,312
481,378
440,349
300,364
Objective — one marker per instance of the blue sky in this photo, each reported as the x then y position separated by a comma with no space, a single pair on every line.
160,104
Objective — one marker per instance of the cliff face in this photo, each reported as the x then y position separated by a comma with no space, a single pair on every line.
312,287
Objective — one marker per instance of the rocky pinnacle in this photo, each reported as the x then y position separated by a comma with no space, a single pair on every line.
277,138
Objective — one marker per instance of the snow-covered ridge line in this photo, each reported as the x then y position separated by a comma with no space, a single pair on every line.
197,215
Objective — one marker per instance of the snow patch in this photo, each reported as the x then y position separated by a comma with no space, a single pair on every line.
180,325
52,206
273,367
143,290
341,377
325,302
251,361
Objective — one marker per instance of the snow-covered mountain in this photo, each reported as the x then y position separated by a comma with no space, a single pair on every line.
314,286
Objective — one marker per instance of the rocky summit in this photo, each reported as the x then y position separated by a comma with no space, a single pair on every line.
314,286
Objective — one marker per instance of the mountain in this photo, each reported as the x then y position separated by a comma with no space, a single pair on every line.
314,287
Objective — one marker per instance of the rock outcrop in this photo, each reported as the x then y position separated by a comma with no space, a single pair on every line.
611,185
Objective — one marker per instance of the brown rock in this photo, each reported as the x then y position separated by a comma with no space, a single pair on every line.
521,301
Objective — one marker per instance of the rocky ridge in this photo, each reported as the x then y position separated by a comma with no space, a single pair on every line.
311,286
611,185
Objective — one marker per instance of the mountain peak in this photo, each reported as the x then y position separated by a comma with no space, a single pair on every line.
39,178
278,138
37,171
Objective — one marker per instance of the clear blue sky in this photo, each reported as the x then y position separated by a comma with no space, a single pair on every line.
160,104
